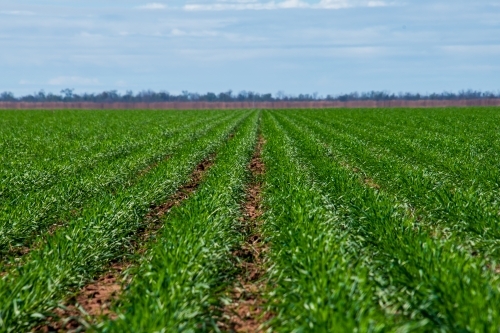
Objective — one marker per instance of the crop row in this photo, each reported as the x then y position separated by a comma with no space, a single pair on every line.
417,279
81,249
186,269
452,194
35,211
38,149
373,220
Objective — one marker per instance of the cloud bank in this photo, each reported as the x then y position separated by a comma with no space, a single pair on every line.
297,46
16,12
287,4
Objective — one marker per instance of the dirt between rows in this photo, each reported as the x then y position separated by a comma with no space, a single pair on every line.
95,299
246,311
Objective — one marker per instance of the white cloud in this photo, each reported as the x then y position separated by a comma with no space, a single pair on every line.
16,12
340,4
333,4
76,80
153,6
202,33
292,4
377,4
247,6
286,4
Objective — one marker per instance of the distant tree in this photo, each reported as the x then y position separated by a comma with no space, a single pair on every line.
67,93
210,97
7,97
40,96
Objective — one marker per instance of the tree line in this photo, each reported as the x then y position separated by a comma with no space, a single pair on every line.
68,95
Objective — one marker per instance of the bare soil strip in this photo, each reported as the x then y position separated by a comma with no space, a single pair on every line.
246,312
95,299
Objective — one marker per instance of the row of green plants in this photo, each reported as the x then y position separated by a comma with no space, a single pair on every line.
455,201
183,274
375,220
35,211
461,145
319,281
39,148
105,229
420,281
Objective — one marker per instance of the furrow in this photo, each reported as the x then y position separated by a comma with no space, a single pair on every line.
128,179
79,252
179,283
95,299
39,211
245,309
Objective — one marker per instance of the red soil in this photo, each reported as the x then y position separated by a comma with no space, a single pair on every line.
246,312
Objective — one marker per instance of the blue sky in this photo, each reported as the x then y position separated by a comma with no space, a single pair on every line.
294,46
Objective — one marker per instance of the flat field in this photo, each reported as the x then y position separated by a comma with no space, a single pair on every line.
359,220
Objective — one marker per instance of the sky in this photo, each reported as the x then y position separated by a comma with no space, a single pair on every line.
290,46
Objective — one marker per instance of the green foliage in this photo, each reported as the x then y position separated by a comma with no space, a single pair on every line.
77,252
185,269
425,269
375,220
45,184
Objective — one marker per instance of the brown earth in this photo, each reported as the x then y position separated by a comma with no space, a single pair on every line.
247,105
371,183
95,298
246,311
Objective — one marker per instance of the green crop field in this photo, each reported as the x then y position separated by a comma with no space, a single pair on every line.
360,220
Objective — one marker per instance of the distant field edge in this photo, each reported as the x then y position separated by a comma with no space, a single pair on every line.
247,105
